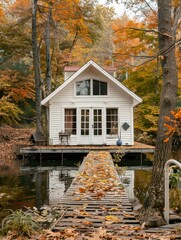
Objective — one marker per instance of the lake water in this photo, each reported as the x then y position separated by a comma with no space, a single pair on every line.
45,185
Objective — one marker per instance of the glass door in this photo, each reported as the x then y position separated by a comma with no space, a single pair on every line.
97,131
91,126
85,126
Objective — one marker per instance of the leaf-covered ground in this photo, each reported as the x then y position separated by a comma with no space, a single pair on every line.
10,141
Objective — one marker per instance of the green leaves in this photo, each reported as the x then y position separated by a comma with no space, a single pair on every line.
20,222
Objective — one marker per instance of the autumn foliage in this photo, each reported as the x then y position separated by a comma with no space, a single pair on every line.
173,124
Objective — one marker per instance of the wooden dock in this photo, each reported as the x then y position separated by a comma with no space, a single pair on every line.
53,149
96,199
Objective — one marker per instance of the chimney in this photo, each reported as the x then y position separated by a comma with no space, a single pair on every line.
69,71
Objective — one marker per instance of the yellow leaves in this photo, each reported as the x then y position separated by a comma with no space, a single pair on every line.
114,209
22,5
2,15
77,199
175,3
112,218
83,213
98,176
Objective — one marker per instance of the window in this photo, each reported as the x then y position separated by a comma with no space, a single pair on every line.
99,88
112,121
91,87
70,121
83,88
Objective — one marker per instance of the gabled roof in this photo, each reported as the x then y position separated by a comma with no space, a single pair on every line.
136,99
76,68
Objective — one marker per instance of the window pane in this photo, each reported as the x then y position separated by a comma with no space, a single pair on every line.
95,87
99,112
83,88
99,88
103,88
70,121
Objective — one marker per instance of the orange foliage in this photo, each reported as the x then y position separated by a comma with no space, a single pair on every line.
15,86
175,3
131,39
69,14
173,125
2,17
21,5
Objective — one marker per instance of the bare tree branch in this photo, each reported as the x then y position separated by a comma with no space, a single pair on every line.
149,5
142,29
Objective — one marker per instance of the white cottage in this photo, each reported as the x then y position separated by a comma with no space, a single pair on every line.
91,107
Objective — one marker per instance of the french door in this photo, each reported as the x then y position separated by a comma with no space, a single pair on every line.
91,126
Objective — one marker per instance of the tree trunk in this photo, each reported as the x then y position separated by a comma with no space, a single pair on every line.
48,75
167,103
36,62
48,58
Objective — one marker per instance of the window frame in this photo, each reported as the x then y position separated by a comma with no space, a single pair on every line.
91,88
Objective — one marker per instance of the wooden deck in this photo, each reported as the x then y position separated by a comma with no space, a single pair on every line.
136,148
96,198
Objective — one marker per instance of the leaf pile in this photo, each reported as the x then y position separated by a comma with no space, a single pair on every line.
98,176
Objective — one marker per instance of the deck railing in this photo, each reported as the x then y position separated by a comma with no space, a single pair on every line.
167,174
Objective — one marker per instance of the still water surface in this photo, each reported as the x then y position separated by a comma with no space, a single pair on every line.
46,185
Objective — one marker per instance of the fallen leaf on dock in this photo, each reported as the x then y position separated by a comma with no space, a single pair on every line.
112,218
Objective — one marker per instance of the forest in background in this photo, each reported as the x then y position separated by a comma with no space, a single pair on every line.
72,32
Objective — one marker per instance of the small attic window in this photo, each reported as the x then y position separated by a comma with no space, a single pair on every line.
83,88
91,87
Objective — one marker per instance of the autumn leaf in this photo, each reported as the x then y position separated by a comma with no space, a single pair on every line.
77,199
82,190
112,218
166,140
87,223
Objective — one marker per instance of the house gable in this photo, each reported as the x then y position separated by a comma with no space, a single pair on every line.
113,94
91,69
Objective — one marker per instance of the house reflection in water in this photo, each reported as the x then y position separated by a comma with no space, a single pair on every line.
128,178
59,181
